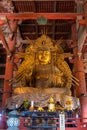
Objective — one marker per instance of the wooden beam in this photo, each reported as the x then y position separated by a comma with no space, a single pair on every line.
48,24
33,33
82,22
32,41
34,16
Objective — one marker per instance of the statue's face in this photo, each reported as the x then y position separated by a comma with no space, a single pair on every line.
44,56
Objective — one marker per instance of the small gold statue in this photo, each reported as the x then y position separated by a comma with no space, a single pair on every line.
40,108
51,106
69,105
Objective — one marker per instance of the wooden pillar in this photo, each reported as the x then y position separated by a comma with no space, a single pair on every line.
9,62
79,73
83,98
78,69
8,76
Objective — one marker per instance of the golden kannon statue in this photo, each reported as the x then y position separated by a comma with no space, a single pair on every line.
44,72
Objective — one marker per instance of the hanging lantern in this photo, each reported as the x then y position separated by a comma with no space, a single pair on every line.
42,20
13,122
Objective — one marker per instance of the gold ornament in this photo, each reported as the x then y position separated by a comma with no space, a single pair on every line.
40,108
51,106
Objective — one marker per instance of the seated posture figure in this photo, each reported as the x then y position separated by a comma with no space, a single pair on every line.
43,73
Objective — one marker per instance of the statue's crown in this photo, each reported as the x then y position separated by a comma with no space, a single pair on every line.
43,43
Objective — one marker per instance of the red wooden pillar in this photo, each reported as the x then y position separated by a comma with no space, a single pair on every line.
8,76
9,63
78,69
83,99
79,74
